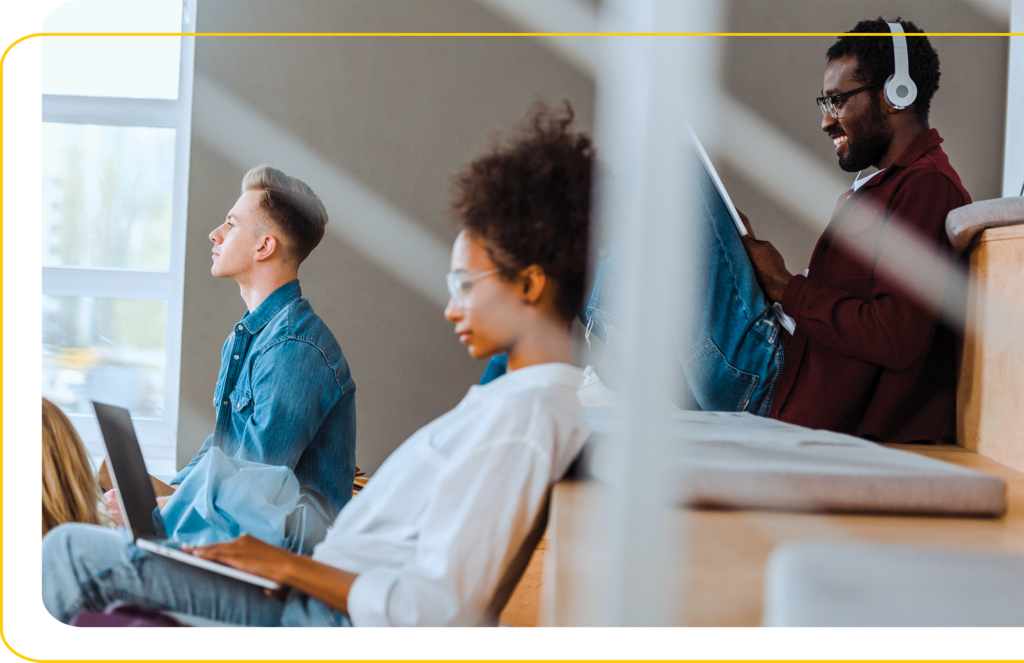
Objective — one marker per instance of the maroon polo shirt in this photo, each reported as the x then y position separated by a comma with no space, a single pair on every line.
868,358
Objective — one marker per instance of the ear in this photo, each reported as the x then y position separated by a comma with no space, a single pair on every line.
883,104
886,108
267,248
534,281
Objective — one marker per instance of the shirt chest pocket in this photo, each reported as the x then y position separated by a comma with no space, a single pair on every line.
241,396
241,400
857,242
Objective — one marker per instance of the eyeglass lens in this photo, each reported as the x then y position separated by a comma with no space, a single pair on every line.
454,288
826,106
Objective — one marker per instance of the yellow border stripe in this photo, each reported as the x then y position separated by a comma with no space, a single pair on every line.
511,34
19,191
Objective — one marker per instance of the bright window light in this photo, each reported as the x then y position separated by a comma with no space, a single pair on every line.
116,134
107,194
109,350
135,67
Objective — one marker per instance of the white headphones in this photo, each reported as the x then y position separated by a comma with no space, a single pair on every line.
900,90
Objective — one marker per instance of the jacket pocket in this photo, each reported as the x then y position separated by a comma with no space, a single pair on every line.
716,384
240,398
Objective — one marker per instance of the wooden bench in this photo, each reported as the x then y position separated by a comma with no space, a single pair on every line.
726,551
722,554
990,391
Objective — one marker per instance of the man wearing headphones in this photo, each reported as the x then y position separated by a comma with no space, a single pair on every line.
860,354
867,356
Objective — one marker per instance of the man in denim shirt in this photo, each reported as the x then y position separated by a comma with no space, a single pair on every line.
284,395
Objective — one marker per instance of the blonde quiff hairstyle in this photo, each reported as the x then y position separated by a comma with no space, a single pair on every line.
291,206
70,491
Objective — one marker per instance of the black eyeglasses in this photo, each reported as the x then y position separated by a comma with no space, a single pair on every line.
835,102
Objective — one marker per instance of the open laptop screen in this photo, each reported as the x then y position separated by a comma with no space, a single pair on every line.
128,470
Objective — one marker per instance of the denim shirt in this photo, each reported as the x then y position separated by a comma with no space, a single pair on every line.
285,396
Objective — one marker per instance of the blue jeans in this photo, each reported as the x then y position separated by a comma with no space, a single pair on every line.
733,354
87,567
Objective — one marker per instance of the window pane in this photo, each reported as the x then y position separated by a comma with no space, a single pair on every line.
109,350
107,196
139,67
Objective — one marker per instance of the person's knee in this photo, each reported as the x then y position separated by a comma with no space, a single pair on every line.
57,542
57,569
71,553
65,535
89,547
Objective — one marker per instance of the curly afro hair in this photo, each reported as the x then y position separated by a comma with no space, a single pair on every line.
529,200
875,62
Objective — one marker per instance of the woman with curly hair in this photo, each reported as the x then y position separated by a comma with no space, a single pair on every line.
70,491
430,539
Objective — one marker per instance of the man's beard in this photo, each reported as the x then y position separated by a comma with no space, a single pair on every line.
874,142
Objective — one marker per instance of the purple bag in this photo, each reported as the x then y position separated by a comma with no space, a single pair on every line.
127,624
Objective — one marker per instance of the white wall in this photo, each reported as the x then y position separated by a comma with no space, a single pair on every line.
398,116
392,119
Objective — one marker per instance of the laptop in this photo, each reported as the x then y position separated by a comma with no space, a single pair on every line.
137,500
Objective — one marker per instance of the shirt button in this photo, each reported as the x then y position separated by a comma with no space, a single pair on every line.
225,402
239,327
236,356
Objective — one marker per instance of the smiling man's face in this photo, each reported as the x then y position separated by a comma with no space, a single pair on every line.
861,134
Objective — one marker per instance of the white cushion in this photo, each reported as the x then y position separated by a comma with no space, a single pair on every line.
963,223
742,461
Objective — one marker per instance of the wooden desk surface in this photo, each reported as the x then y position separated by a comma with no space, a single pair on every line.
721,566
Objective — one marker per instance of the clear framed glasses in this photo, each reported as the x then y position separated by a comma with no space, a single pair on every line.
460,283
835,102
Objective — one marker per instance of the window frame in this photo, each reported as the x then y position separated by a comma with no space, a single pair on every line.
157,435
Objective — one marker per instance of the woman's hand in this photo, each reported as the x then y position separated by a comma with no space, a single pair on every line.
327,584
109,500
249,554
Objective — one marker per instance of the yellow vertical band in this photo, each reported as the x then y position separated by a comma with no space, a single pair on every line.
19,333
